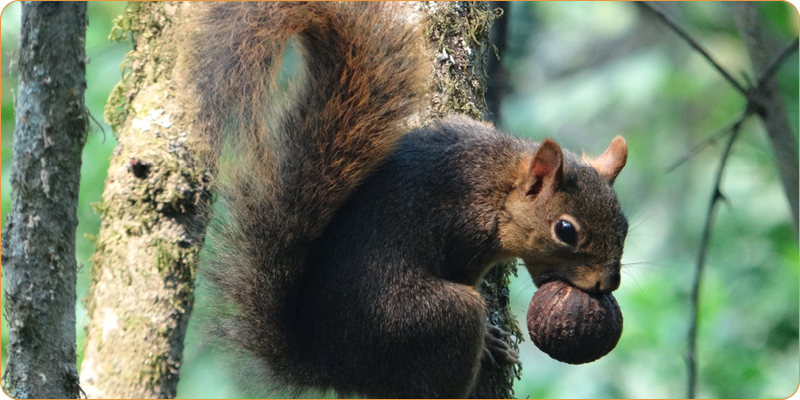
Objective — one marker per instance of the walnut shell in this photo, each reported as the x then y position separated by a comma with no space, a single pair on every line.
573,326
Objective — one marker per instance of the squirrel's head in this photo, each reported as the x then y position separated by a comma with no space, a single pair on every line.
563,219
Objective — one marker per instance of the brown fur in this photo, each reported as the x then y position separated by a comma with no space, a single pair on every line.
283,172
348,248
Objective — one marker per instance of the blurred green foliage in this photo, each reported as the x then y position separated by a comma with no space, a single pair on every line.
583,73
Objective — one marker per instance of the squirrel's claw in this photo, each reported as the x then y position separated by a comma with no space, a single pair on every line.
496,349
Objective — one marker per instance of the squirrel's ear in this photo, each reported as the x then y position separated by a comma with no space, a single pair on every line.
611,161
547,167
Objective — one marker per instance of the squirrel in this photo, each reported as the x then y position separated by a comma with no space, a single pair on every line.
348,244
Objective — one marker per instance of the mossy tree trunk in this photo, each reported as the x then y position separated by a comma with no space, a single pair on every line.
38,250
142,277
458,39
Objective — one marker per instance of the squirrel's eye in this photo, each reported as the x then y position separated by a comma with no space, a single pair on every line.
566,232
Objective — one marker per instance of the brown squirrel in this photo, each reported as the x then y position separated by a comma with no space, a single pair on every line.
348,245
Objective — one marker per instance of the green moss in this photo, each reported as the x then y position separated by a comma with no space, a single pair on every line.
143,21
116,108
99,207
126,23
172,259
453,35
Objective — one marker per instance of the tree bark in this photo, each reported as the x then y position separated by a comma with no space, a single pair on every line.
458,39
38,250
142,278
776,121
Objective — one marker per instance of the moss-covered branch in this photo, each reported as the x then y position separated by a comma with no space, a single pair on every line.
142,278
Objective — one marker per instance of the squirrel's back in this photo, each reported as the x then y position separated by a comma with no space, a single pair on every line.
288,154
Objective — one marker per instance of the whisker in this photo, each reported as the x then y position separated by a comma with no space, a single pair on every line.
638,221
639,264
527,288
641,289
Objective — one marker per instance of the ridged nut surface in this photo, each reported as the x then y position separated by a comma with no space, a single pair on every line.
571,325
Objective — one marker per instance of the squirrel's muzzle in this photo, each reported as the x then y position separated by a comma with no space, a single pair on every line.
597,280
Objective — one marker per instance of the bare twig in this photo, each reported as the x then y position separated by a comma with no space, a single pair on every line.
692,42
99,125
697,148
778,62
691,358
753,105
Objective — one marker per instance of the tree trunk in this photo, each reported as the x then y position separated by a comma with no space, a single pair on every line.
142,278
458,38
779,130
38,250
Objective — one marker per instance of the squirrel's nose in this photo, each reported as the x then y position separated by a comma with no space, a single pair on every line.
606,283
609,282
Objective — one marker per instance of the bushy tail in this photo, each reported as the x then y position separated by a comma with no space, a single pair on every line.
289,153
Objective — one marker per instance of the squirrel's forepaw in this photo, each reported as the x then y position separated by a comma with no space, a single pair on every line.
496,349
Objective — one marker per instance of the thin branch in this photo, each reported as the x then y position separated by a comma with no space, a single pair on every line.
753,105
776,64
99,125
697,148
685,35
701,259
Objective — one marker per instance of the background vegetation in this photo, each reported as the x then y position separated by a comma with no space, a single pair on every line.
582,73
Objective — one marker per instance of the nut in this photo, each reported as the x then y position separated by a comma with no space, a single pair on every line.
571,325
